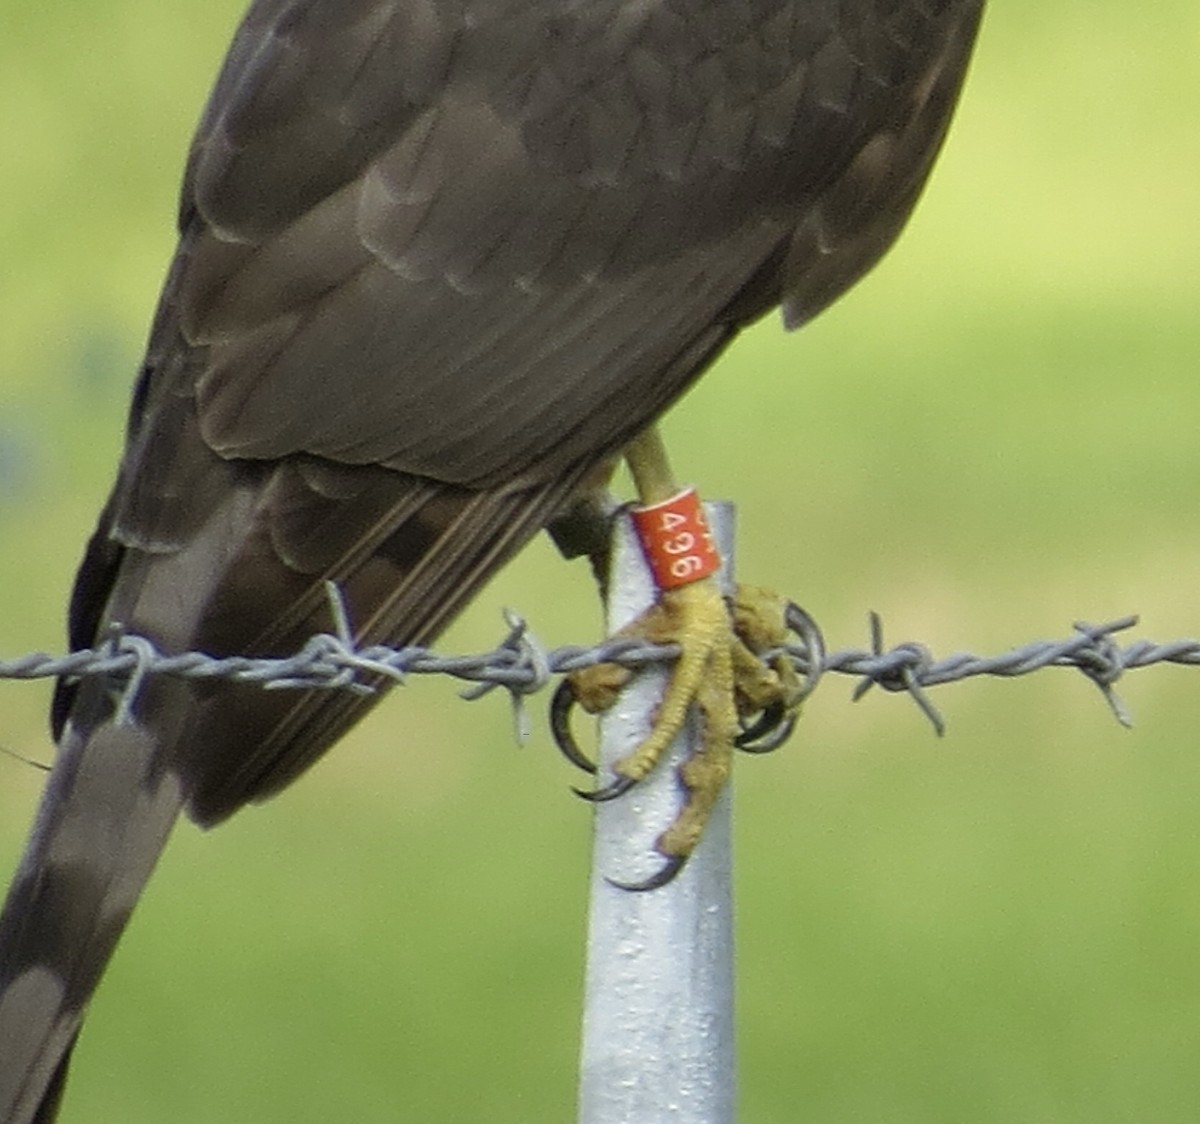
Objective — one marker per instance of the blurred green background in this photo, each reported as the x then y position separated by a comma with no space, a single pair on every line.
994,436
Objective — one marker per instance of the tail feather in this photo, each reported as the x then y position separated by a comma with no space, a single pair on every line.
249,578
104,820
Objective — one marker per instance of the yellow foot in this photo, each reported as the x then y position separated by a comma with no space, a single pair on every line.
743,701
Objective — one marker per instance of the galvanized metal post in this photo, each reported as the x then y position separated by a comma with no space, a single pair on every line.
658,1039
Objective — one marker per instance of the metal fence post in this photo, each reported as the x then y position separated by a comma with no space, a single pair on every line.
658,1039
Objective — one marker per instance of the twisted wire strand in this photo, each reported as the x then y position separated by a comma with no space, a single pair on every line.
522,666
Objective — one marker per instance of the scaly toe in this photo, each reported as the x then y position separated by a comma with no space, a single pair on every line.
596,688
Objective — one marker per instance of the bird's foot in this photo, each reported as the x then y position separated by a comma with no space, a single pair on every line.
743,700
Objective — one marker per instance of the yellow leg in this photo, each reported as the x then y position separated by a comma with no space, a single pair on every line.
718,672
646,457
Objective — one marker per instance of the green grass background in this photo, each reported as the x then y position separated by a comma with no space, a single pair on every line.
995,435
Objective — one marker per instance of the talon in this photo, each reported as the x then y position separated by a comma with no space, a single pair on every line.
770,730
618,787
670,869
800,624
561,705
775,737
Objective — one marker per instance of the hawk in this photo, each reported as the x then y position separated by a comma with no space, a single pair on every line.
441,263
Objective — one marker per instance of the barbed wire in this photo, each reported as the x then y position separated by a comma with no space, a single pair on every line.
522,666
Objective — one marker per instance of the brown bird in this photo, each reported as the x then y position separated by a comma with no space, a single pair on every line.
440,263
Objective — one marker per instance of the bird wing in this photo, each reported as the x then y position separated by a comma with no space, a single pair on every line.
438,260
421,290
475,242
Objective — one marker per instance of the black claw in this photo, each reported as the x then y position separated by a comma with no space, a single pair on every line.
771,729
809,633
672,867
561,705
765,723
618,787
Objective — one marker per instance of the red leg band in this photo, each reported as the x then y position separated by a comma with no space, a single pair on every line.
676,539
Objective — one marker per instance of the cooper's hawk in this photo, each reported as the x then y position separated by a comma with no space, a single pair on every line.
440,262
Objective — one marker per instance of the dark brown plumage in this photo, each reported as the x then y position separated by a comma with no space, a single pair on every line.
438,261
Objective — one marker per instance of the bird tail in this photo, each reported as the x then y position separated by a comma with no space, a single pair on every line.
248,578
104,819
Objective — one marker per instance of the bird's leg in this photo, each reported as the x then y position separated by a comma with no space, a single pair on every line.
718,671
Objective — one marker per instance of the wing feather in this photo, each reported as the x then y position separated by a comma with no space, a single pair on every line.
439,260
